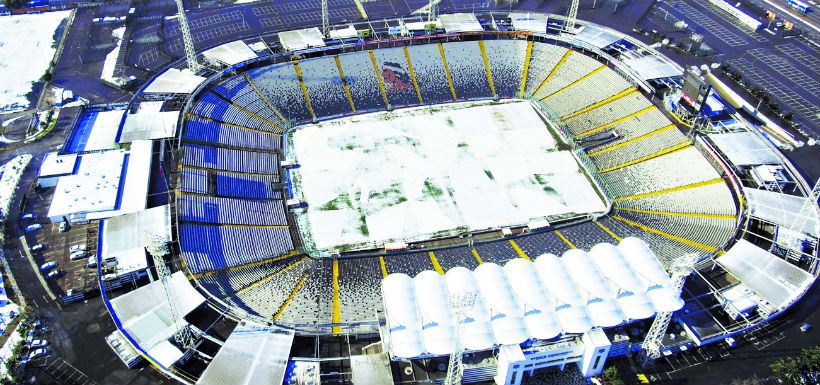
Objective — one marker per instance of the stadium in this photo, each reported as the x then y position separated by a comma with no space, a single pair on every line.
480,197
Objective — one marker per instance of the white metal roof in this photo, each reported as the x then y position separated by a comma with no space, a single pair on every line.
56,165
104,131
652,67
146,125
597,36
93,188
124,237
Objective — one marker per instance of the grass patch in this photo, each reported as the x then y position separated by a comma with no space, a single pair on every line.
431,190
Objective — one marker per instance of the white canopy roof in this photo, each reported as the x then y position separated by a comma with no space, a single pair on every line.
145,314
778,282
538,306
148,125
230,53
745,148
780,209
252,354
652,67
301,39
460,22
532,22
174,81
526,300
597,36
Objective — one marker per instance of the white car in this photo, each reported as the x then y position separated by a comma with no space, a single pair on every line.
36,344
77,255
37,353
76,248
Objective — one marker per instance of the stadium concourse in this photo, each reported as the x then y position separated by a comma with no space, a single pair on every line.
670,192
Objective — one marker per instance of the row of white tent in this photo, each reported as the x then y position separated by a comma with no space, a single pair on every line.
526,300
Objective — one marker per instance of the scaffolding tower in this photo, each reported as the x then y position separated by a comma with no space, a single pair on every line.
187,40
325,18
651,346
572,15
460,303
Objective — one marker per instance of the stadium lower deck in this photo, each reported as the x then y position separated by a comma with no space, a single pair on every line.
239,242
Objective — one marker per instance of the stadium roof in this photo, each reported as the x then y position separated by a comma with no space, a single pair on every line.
149,123
460,22
525,300
780,209
301,39
533,22
124,237
252,354
174,81
145,315
652,67
778,282
230,53
597,36
745,149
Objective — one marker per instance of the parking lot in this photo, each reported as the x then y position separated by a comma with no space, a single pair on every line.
77,276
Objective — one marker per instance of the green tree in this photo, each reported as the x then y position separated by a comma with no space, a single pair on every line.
786,369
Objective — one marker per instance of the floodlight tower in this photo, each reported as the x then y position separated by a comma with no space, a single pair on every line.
325,18
158,248
569,26
651,345
432,10
460,303
188,41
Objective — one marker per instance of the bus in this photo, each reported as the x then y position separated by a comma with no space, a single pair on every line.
799,5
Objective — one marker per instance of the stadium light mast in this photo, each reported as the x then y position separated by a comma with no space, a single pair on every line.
158,248
325,18
432,11
651,346
459,304
187,40
569,26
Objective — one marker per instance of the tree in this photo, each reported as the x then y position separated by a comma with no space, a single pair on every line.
786,369
14,3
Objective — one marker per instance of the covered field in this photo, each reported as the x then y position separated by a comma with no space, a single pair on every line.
429,172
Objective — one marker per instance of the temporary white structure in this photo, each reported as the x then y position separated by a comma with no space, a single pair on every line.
524,300
539,308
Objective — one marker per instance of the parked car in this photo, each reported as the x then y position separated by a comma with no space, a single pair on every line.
28,216
55,274
805,327
48,266
36,344
64,226
39,247
33,228
76,248
37,353
92,261
77,255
